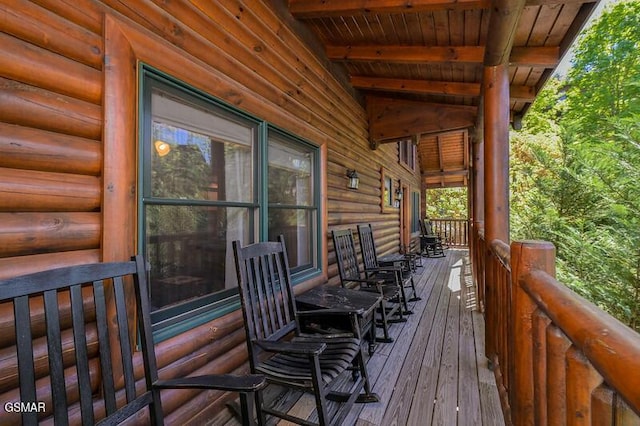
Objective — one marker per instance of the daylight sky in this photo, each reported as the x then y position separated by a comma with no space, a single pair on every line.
565,63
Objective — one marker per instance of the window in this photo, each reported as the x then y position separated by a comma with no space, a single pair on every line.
292,210
415,211
386,191
407,153
202,186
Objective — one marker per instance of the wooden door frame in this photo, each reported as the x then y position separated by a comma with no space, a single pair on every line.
405,217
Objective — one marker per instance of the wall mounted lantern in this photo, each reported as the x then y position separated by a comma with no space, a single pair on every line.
399,191
354,181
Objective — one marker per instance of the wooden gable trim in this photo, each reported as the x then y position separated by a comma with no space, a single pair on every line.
392,119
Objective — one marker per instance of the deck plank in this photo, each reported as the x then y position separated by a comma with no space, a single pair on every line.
470,413
425,395
446,402
400,404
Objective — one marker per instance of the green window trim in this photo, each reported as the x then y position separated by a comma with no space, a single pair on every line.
174,319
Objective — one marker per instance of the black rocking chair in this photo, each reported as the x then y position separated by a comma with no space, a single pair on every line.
352,277
61,296
430,243
396,270
279,350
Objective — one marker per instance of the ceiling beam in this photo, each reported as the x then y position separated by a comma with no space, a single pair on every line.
441,88
547,57
543,57
458,172
522,93
416,86
406,54
392,119
307,9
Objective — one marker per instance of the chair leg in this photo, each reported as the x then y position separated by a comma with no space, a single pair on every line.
404,304
262,418
385,324
415,297
246,409
318,385
371,334
368,395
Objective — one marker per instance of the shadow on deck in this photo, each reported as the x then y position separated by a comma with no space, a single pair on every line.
435,371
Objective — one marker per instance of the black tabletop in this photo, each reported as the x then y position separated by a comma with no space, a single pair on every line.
331,297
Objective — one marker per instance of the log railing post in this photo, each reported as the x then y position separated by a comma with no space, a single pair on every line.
525,257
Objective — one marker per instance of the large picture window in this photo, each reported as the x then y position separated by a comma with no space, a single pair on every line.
202,185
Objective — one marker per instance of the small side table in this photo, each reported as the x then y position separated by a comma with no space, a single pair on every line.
362,303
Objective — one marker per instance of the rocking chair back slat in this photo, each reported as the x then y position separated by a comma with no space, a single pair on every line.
24,347
348,266
267,301
82,358
369,256
106,367
54,346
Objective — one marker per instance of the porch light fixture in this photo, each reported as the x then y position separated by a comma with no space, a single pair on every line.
354,181
162,148
399,191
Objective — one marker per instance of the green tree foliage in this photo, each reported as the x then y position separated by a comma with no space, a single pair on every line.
576,166
447,203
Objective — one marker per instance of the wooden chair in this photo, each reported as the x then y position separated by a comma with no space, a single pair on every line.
351,276
396,269
55,304
309,362
441,236
431,244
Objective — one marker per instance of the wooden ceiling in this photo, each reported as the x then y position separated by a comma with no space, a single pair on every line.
419,63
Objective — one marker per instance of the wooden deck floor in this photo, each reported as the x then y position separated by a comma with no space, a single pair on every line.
435,372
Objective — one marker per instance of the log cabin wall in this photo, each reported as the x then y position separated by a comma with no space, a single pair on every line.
68,144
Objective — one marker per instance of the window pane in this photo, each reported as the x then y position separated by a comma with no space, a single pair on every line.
388,191
290,173
189,249
297,227
199,154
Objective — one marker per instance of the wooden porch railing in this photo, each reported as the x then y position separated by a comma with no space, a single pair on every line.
455,232
558,358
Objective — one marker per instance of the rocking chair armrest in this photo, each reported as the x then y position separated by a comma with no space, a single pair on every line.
225,382
372,281
337,339
385,268
330,312
346,334
299,348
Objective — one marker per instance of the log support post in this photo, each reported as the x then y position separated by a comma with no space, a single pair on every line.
496,178
525,257
477,212
496,152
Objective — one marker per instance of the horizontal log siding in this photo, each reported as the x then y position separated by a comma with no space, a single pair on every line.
52,97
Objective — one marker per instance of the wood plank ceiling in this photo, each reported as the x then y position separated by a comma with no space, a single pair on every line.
419,65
